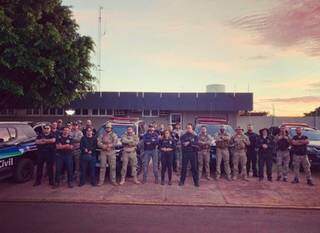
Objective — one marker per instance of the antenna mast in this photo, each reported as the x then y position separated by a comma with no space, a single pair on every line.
99,50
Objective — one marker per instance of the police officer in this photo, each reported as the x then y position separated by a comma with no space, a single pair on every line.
204,140
299,149
88,147
150,143
282,141
252,151
54,129
89,124
46,154
189,143
239,143
60,125
107,142
265,150
64,147
222,140
175,137
129,155
76,135
167,147
178,161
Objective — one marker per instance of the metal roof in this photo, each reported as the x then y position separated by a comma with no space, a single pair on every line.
167,101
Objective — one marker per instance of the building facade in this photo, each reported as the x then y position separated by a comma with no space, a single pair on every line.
165,108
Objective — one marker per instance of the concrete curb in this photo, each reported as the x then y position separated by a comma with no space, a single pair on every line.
149,203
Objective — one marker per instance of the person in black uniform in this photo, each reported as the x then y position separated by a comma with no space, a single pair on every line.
175,137
46,154
252,151
64,156
167,146
89,125
265,150
88,146
189,143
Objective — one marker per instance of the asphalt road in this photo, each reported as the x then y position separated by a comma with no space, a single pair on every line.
93,218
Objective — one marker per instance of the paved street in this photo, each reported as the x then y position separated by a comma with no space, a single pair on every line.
61,218
211,193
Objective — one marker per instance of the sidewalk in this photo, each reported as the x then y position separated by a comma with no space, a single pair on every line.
221,193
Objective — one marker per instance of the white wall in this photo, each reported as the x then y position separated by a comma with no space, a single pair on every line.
266,121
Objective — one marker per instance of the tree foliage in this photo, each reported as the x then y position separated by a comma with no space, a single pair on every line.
43,59
316,112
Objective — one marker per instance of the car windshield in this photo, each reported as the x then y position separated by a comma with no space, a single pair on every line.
214,129
119,130
312,134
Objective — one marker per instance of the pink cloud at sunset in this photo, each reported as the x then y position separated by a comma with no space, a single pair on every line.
292,23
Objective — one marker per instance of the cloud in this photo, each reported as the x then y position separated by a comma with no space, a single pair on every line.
301,99
258,57
305,83
178,61
292,23
314,87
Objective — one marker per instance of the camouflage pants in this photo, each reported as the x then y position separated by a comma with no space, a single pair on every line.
297,161
110,158
239,157
76,157
283,159
204,158
129,158
223,154
179,158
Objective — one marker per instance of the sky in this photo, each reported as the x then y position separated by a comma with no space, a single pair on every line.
268,47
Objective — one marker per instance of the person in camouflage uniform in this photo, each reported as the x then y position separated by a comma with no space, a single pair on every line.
282,141
76,135
129,155
239,142
107,142
204,140
222,139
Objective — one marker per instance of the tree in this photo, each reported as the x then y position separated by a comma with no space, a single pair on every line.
43,59
316,112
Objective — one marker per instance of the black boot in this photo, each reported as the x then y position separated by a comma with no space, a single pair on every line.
295,180
309,182
37,183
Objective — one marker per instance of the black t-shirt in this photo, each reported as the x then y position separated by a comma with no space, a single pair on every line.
302,149
47,146
283,144
64,141
192,139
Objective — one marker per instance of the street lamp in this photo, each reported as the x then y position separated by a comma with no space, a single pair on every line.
70,112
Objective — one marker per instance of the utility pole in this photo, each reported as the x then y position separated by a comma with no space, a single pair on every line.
273,114
99,50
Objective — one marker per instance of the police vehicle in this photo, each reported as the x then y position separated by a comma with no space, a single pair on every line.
17,151
313,148
119,127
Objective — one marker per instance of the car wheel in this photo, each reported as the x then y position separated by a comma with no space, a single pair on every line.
23,171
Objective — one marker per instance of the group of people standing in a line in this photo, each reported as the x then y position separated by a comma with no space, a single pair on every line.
74,151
